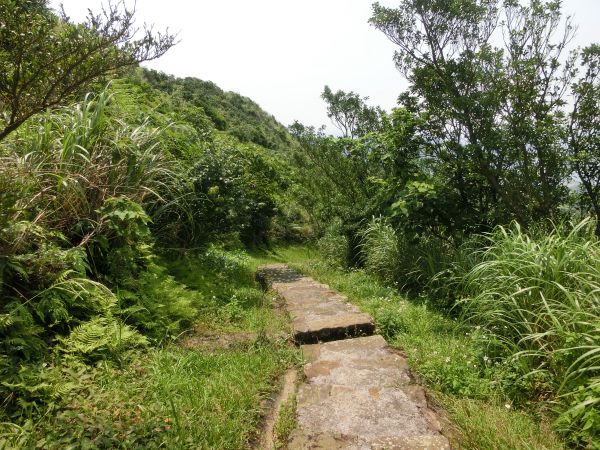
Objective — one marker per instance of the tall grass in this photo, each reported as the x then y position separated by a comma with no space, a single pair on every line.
77,158
73,230
538,298
334,245
533,298
380,248
406,261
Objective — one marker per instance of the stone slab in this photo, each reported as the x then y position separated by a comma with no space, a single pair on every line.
318,313
358,394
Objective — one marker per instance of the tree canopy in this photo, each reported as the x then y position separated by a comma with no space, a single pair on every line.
495,104
350,113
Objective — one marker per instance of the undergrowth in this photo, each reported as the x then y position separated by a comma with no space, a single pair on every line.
536,297
166,396
529,299
98,203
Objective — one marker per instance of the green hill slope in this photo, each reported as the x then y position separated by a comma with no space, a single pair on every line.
239,116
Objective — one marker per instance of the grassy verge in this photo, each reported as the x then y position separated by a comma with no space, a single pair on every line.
206,393
286,423
448,358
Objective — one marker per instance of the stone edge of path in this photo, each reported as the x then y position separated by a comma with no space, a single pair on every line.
288,389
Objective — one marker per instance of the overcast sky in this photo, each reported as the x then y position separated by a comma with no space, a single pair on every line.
281,53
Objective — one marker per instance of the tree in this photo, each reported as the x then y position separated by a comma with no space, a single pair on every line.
333,175
497,109
45,58
584,129
350,114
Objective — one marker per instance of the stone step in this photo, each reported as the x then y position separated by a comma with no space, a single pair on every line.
325,441
358,394
318,313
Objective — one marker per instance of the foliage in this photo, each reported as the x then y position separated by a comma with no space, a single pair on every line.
82,188
234,191
474,420
101,338
584,129
199,393
228,111
411,261
494,112
123,218
381,251
333,246
482,137
45,58
330,178
156,304
536,297
76,160
90,195
350,114
379,174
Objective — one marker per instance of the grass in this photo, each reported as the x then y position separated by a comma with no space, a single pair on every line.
286,422
449,358
483,425
171,396
233,299
168,398
536,295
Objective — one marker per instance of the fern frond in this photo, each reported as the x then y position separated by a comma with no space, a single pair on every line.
101,337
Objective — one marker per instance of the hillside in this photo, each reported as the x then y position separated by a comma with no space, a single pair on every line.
228,111
136,209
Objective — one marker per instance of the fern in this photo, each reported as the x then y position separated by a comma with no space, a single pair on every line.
20,333
6,321
100,338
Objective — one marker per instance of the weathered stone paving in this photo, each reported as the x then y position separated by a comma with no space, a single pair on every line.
357,393
318,313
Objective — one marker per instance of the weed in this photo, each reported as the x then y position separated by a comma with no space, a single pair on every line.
286,422
536,297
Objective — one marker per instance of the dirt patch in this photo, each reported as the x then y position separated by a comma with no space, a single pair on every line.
287,391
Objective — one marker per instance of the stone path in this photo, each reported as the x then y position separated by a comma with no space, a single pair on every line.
358,393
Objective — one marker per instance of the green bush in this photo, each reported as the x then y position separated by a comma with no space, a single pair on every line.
157,304
101,338
398,259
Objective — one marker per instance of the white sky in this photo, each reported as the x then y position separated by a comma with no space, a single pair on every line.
281,53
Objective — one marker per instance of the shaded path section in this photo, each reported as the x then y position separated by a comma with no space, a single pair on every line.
358,392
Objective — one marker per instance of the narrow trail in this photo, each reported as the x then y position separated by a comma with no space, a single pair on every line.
357,392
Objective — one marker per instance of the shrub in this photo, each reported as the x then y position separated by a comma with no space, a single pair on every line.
157,304
409,261
381,251
101,338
